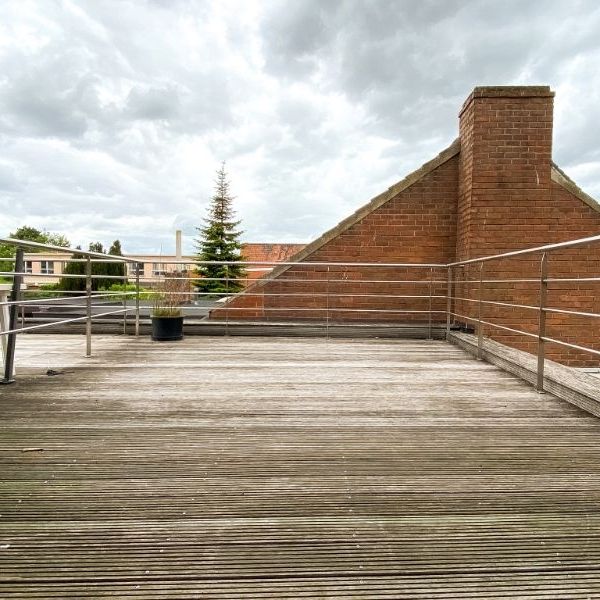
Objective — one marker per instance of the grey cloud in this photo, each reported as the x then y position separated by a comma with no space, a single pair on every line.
10,179
115,114
153,103
50,100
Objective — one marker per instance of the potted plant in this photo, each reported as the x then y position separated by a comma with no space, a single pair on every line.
167,315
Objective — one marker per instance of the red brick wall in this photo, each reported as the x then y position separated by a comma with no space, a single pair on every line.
496,196
418,225
507,201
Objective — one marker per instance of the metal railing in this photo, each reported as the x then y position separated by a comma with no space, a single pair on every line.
541,309
326,293
9,307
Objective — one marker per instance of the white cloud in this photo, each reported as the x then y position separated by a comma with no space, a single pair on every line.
114,115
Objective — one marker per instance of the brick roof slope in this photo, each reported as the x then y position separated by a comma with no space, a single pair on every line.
263,252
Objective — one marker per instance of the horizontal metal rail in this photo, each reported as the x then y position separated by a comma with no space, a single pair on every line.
537,250
63,321
49,300
573,346
543,282
477,320
61,275
320,276
36,245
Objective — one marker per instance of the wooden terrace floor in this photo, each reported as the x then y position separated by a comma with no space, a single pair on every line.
290,468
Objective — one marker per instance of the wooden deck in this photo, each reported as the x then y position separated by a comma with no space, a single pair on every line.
291,468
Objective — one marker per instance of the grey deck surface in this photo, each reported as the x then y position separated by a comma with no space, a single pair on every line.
291,468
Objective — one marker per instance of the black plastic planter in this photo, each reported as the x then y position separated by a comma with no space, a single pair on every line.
167,329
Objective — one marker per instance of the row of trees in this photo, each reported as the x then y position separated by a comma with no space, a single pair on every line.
107,270
102,271
219,242
30,234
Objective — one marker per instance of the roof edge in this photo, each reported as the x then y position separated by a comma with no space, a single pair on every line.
375,203
559,176
444,156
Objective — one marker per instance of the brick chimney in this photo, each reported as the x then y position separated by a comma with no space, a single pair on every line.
504,168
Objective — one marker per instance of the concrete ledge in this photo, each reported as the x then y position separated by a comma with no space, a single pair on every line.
273,329
574,386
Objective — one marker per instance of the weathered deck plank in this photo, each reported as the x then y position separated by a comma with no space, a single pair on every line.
273,468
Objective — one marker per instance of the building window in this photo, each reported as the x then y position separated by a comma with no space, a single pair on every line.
136,268
47,267
158,269
28,266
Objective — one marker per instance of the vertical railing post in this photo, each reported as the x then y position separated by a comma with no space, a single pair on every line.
137,299
479,305
125,299
226,300
13,311
88,307
448,303
327,305
541,353
430,325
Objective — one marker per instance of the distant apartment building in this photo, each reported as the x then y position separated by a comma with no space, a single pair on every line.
46,267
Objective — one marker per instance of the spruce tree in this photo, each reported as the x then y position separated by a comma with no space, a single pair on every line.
219,241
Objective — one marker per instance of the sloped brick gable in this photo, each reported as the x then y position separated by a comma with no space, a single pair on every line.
494,190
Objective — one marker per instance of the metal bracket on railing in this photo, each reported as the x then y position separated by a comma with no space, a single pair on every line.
541,351
15,296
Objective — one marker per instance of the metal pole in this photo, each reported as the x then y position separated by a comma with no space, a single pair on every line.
430,302
137,299
227,300
541,354
88,307
15,296
125,300
327,305
448,302
479,305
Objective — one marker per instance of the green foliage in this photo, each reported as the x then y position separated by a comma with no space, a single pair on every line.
98,270
219,241
74,284
6,266
116,269
57,239
46,290
169,295
163,312
31,234
145,293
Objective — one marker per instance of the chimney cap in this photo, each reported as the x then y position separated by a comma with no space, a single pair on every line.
508,91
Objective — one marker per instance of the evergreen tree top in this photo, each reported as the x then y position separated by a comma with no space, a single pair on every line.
219,241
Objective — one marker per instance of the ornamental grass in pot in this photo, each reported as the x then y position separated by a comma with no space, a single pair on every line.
167,315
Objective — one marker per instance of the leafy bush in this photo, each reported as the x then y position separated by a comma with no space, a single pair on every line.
115,288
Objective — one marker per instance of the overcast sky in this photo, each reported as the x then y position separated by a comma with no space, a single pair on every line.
114,114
